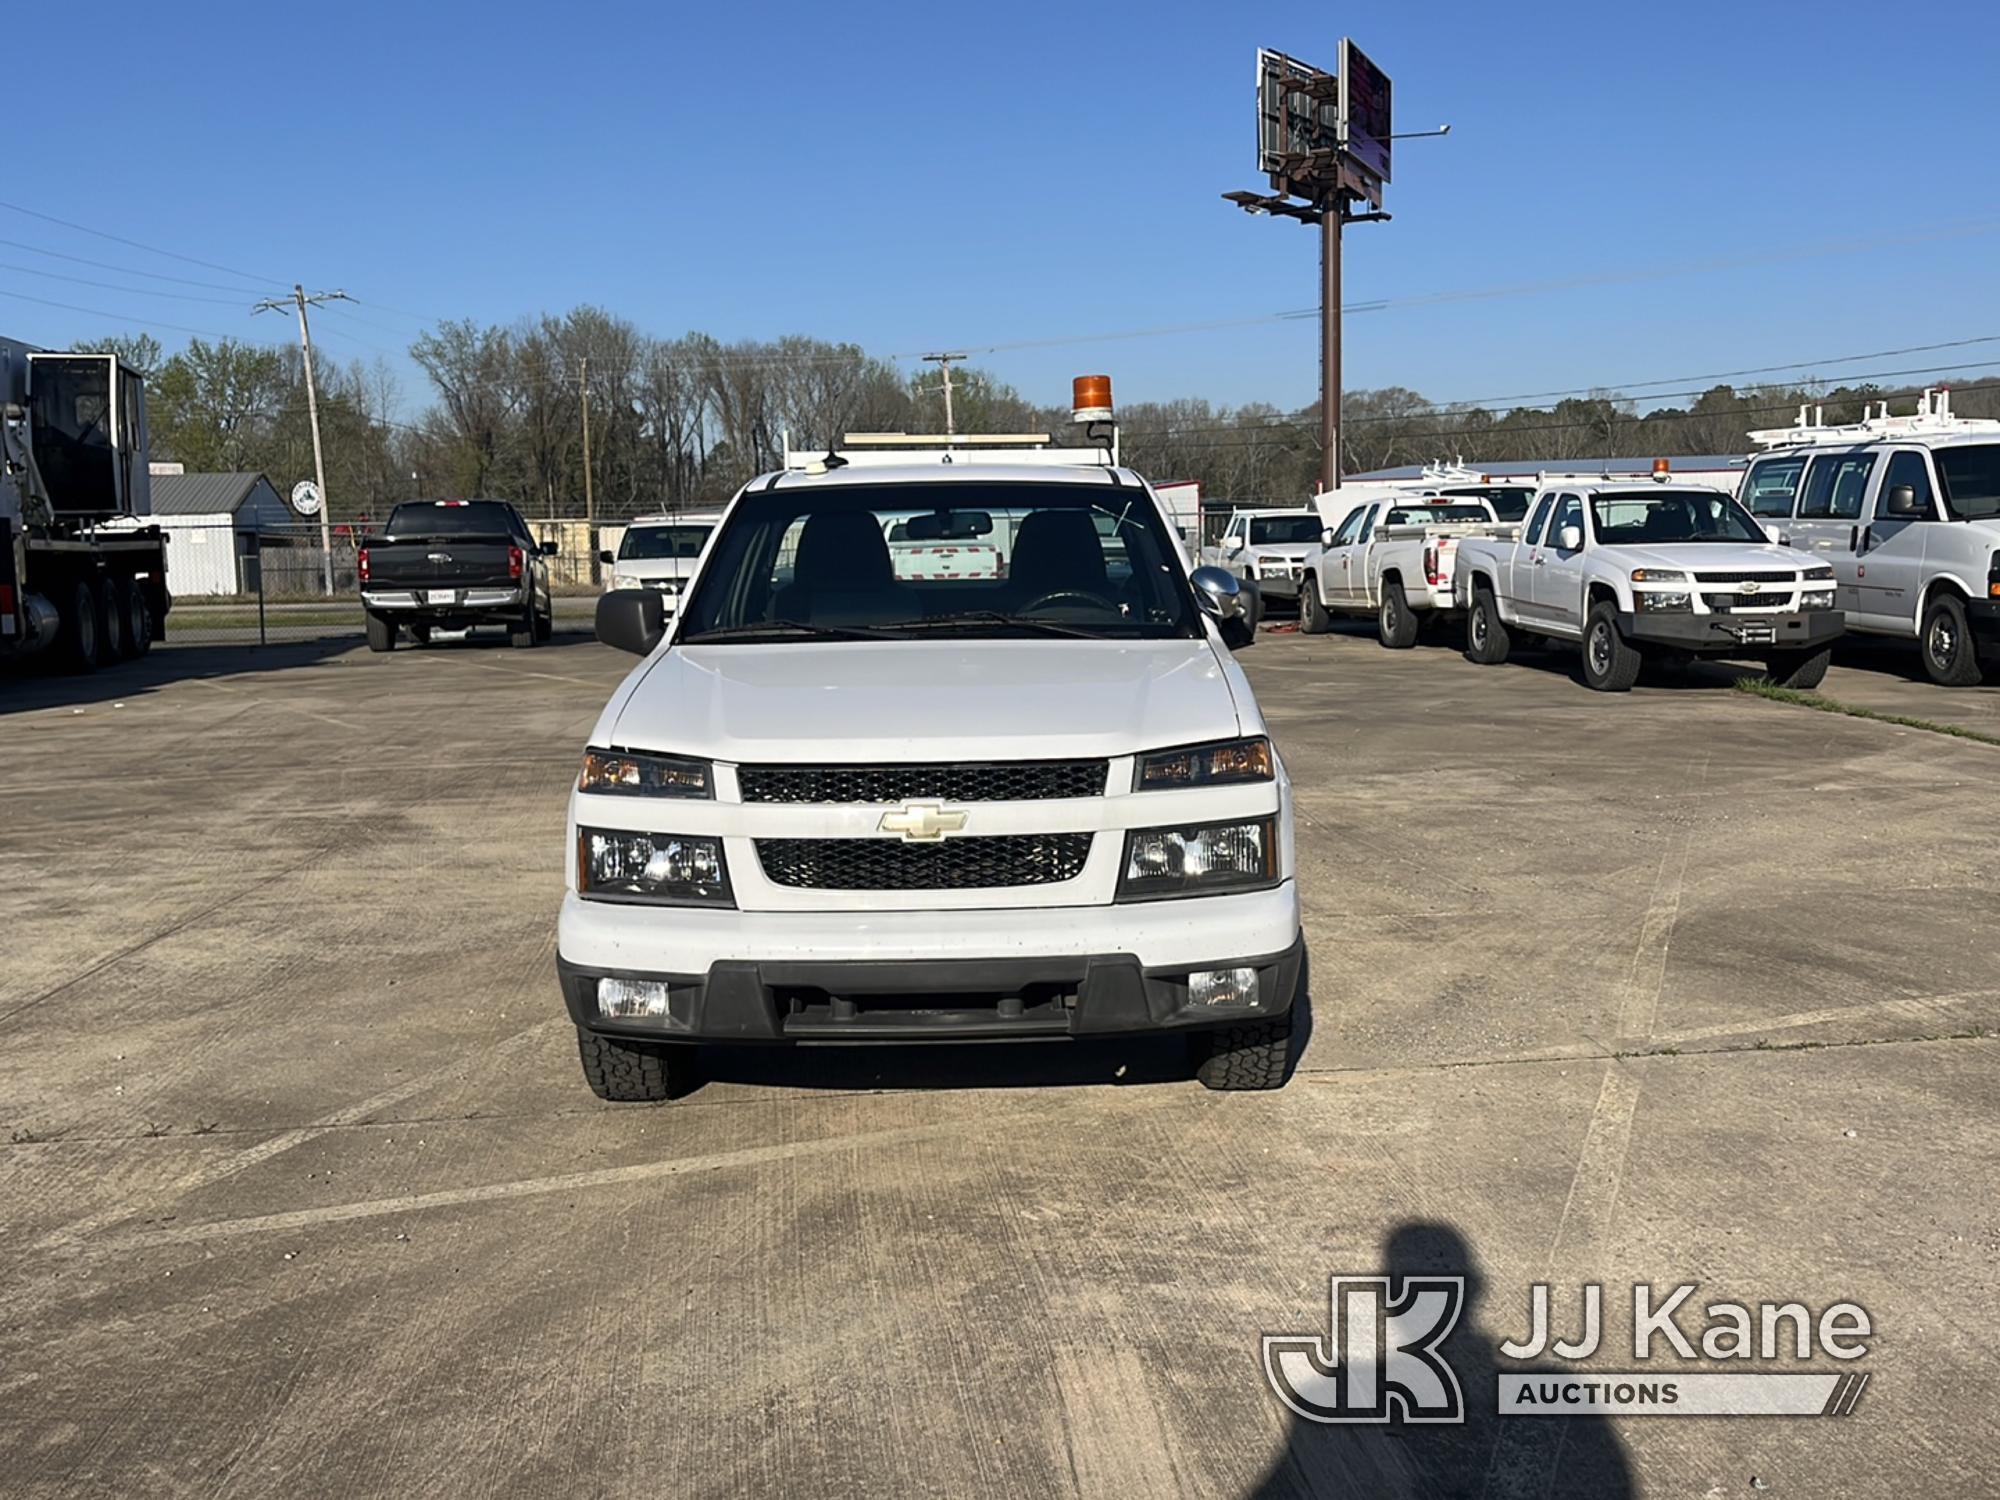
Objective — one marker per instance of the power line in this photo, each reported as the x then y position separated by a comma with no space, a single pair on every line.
206,265
136,291
104,265
98,312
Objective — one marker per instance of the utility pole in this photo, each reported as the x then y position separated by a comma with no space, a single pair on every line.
589,488
944,362
1330,222
300,299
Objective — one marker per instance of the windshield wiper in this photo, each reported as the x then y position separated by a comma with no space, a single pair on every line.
780,629
977,617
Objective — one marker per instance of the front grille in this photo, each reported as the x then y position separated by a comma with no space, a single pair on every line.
1762,599
972,781
954,864
1753,577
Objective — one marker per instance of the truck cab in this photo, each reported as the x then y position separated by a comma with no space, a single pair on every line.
1267,547
835,802
659,552
1906,512
1631,569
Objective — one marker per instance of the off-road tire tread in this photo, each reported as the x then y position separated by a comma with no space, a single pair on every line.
1803,670
625,1072
1248,1055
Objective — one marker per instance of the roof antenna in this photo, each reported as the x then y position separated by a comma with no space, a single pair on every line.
833,460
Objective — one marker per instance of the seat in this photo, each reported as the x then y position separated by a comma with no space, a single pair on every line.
843,573
1054,551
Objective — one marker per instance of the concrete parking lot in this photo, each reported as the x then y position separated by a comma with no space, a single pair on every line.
304,1192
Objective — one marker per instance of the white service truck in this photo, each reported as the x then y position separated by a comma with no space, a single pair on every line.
1394,560
1267,548
1632,570
1906,512
837,804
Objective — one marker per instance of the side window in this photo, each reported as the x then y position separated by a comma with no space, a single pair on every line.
1850,485
1569,512
1368,524
1835,483
1351,526
1771,486
1534,527
1906,468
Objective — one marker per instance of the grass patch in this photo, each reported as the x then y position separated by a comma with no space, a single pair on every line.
1763,687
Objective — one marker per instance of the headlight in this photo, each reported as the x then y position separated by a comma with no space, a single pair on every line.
614,864
1816,575
1658,575
1822,599
625,773
1193,861
1659,603
1204,765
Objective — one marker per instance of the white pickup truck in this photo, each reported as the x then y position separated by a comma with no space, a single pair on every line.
1267,548
1631,570
1394,560
836,802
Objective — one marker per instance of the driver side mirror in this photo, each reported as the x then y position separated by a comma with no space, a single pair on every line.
633,620
1902,501
607,555
1232,544
1569,539
1326,536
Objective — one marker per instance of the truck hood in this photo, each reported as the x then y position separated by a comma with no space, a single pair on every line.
886,701
1710,557
653,567
1289,551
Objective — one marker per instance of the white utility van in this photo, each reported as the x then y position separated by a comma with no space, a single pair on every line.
1906,510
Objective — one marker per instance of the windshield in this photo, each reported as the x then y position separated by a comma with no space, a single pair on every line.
450,518
650,543
1970,478
1509,501
1281,531
1638,520
1434,515
1047,559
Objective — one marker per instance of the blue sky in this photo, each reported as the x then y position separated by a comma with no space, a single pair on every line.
1709,187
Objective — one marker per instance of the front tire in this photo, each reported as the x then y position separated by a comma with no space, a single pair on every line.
381,633
1803,670
1950,658
1313,616
1485,633
1249,1055
1610,662
634,1072
1395,621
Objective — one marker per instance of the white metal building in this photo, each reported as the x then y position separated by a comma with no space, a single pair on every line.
205,517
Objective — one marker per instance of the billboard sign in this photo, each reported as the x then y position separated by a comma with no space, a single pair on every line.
1297,114
1364,112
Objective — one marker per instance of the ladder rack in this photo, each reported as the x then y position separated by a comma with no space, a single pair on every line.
1932,418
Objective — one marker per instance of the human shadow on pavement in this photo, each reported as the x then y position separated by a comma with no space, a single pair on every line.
1483,1456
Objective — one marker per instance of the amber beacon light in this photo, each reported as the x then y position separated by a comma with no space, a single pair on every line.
1090,395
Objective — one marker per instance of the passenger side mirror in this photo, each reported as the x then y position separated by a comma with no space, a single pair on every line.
1326,536
1903,501
607,556
548,547
1570,538
633,620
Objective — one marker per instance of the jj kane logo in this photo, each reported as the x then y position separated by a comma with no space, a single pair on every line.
1379,1361
1381,1358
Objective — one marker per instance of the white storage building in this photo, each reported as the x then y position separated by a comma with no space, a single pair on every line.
205,517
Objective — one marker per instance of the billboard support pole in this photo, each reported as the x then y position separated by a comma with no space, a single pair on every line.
1330,221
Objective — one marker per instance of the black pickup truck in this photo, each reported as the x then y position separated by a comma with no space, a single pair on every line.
451,564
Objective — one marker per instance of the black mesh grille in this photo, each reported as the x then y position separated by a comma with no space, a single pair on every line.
997,781
1762,599
1750,577
954,864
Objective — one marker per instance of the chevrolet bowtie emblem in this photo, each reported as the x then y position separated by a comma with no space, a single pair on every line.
922,822
1752,586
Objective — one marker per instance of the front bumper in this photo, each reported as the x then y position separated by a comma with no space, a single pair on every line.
932,1000
746,975
1982,616
1734,634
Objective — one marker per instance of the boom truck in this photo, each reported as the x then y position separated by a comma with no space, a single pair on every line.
73,458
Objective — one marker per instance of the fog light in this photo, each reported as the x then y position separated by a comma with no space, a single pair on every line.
1223,987
632,999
